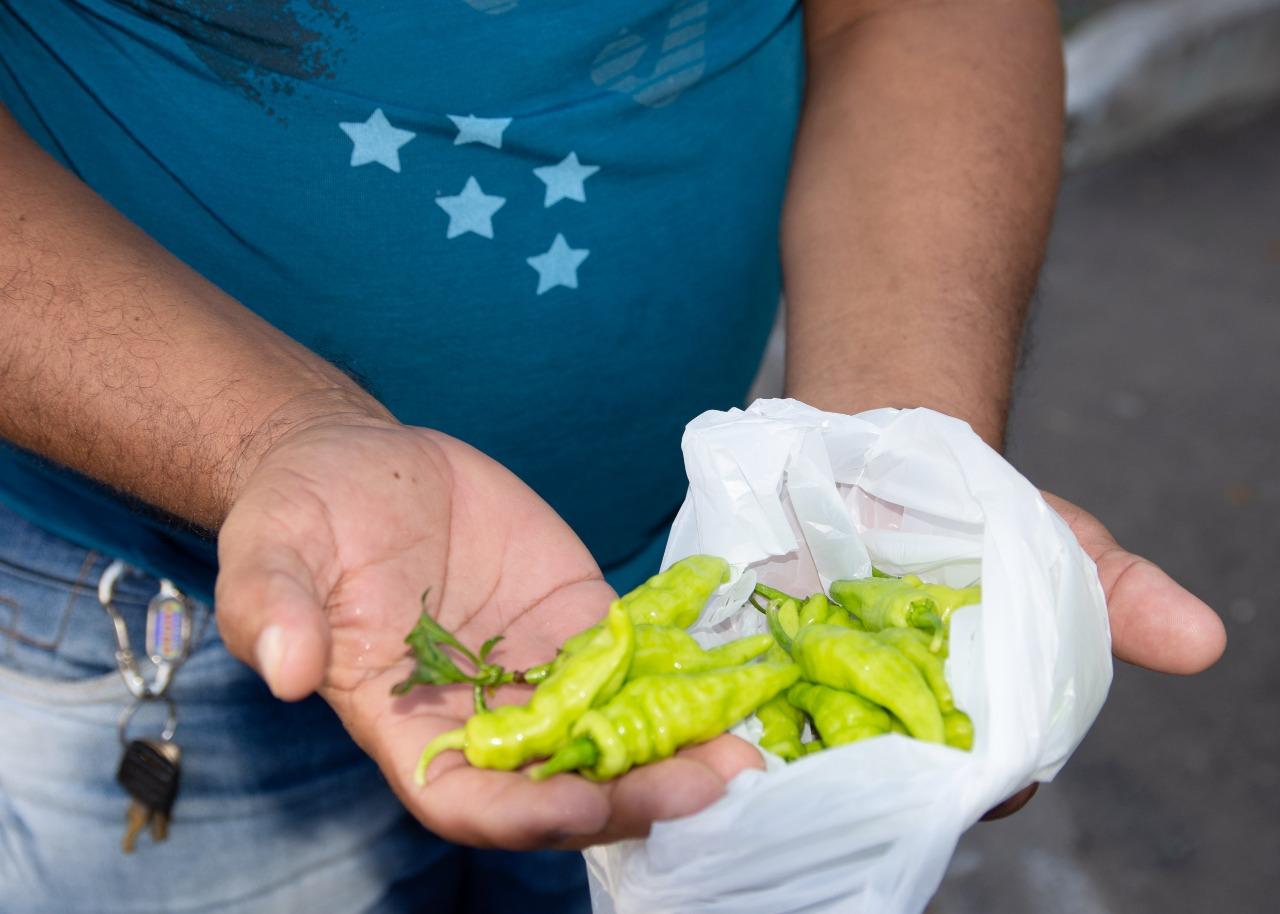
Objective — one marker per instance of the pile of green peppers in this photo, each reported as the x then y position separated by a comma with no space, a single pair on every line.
871,657
636,687
630,690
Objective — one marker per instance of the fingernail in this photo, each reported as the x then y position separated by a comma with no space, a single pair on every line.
270,652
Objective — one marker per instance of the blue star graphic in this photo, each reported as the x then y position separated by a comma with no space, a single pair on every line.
472,129
375,140
564,181
470,211
559,265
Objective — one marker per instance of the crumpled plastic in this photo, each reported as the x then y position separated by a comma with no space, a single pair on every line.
797,498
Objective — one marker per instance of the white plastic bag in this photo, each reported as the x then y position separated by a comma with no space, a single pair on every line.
798,498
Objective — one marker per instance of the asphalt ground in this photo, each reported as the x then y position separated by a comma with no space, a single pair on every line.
1151,397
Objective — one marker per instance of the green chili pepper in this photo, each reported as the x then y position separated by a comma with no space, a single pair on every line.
914,645
815,609
783,725
674,597
509,736
652,717
813,746
575,643
818,610
677,595
947,599
789,618
857,662
665,649
890,602
838,615
839,717
959,730
738,652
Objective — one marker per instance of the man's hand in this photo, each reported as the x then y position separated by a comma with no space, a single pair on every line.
324,558
1155,623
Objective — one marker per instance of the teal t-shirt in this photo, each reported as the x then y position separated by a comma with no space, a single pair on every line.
548,228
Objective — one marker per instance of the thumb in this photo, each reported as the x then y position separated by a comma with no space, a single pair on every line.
1155,622
271,615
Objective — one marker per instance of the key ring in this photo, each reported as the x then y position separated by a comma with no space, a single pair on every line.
170,721
168,635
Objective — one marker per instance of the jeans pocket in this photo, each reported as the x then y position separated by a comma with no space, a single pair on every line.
34,689
54,650
51,628
54,633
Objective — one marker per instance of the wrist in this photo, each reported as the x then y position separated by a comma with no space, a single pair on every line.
293,417
988,419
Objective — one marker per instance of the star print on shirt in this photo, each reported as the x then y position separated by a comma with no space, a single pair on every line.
375,140
564,181
470,211
472,129
559,265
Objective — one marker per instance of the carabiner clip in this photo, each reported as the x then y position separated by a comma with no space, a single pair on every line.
168,635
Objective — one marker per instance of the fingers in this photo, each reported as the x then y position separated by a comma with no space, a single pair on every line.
508,810
670,789
477,806
1155,623
1013,804
665,790
270,615
726,755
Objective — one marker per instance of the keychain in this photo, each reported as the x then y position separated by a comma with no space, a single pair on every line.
149,768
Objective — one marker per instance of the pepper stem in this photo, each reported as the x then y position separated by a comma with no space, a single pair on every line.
454,739
775,628
433,665
533,675
772,593
572,756
928,619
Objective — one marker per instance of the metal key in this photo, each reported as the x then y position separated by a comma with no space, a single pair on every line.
136,818
149,772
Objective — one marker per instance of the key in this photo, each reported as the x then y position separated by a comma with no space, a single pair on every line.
159,826
136,818
149,772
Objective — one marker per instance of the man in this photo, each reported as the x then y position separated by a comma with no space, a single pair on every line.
543,237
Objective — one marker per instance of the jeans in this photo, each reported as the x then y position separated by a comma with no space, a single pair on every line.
278,810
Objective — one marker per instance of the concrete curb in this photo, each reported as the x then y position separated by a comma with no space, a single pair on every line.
1139,71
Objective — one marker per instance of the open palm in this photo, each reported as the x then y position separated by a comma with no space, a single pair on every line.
324,560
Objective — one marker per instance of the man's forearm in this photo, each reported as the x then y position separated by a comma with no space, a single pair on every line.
118,360
919,204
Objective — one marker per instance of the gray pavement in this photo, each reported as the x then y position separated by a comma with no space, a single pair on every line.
1152,397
